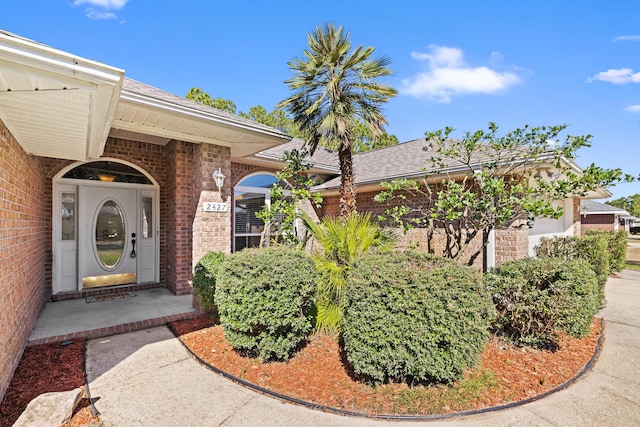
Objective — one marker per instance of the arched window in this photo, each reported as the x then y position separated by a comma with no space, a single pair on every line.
107,171
250,195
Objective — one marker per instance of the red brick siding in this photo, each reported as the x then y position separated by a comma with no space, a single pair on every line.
577,228
22,250
366,203
180,214
241,170
211,230
512,242
604,222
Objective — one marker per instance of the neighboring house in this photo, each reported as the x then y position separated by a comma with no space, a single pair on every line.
409,160
600,216
106,181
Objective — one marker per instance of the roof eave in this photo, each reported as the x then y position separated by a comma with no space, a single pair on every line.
246,125
45,89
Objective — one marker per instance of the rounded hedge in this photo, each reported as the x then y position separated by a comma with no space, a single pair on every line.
413,317
593,248
536,297
265,299
204,278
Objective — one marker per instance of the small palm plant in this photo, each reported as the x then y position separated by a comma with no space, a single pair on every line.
343,241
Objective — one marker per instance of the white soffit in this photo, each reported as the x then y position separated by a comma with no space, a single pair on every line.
164,126
147,111
56,104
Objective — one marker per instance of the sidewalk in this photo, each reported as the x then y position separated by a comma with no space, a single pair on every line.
146,378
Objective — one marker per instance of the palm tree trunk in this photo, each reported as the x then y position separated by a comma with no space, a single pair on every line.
347,189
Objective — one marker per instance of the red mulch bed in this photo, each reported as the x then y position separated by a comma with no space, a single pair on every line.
506,373
43,368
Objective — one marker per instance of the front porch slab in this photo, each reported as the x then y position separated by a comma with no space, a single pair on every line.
77,319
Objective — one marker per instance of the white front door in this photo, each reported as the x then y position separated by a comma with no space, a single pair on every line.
107,236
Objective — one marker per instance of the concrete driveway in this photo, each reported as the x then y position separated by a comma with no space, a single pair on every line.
146,378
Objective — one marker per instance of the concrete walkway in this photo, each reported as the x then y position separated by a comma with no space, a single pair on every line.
77,319
146,378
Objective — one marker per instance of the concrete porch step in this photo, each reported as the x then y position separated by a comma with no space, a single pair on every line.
78,319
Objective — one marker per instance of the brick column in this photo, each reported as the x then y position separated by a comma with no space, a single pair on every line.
577,222
512,242
211,231
179,215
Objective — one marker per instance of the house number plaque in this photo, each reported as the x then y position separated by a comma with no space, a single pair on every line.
215,207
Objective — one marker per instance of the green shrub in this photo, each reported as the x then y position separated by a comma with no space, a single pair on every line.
265,298
617,247
414,317
204,278
592,248
536,297
343,241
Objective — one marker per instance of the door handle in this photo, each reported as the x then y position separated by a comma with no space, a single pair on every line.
133,246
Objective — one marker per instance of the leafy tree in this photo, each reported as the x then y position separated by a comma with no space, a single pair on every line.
280,216
277,118
335,87
202,97
364,141
630,204
499,179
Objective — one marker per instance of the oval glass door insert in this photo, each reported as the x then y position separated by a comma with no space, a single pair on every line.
110,234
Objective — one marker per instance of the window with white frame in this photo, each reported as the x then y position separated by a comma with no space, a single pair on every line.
250,195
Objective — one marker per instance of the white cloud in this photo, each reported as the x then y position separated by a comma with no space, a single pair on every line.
441,56
633,109
618,76
105,4
626,39
449,75
93,14
102,9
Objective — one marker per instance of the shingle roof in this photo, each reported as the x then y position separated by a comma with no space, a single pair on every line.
143,89
323,157
595,208
404,160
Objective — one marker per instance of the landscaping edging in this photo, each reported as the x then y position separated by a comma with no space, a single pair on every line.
391,417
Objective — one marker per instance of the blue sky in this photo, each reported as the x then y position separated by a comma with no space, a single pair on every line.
457,63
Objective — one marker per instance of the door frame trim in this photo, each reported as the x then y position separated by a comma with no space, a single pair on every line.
58,181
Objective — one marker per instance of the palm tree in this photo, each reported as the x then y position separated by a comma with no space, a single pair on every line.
335,89
343,241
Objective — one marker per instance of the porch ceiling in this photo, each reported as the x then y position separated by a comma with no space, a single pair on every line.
55,104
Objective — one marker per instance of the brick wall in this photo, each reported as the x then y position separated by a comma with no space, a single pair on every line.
22,250
512,242
241,170
211,230
179,216
577,225
605,222
416,237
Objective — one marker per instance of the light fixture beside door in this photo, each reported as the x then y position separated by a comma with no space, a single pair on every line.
218,177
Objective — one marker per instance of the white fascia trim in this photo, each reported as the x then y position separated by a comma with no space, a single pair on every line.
329,168
34,55
603,213
138,99
166,133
